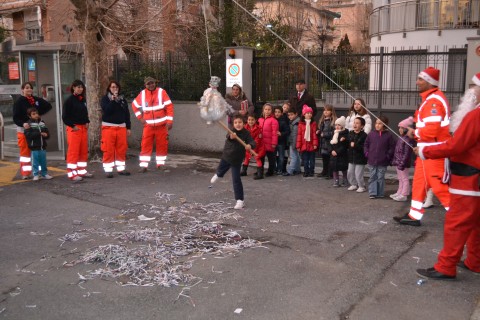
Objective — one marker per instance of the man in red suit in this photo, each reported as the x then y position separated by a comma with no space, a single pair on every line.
462,221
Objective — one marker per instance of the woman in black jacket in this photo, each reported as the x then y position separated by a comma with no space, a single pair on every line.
20,118
115,130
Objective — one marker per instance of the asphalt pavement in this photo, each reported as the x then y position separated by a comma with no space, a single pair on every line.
320,252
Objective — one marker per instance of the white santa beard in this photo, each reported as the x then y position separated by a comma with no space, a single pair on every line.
467,104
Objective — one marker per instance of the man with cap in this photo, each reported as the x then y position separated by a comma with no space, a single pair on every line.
462,222
301,98
432,121
154,109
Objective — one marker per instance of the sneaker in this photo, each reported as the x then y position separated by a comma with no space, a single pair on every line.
47,177
462,265
109,175
361,189
400,198
336,184
352,188
371,196
406,220
214,179
142,170
286,174
77,179
433,274
25,177
124,173
36,178
394,195
87,175
239,205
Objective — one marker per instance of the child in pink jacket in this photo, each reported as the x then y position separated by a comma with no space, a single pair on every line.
270,139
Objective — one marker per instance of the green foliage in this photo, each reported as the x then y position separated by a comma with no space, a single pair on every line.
344,47
3,34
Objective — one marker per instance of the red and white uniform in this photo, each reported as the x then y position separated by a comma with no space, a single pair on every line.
462,222
432,127
156,108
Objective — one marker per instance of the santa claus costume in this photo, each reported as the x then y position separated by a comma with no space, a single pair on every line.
462,221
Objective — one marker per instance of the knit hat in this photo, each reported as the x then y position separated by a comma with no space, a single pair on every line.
149,79
476,79
341,121
406,123
306,109
431,75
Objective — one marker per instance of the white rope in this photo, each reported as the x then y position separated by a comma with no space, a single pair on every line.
206,36
314,66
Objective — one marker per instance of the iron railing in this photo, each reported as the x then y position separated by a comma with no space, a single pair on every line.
414,15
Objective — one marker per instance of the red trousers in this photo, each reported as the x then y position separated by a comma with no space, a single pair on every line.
77,152
428,174
462,226
248,155
25,159
160,135
114,147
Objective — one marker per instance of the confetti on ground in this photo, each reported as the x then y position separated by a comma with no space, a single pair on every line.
162,252
416,258
274,221
393,284
238,310
144,218
32,233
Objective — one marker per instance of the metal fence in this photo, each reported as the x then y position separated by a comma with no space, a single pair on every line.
183,78
386,79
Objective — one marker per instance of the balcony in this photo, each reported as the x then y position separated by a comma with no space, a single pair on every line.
414,15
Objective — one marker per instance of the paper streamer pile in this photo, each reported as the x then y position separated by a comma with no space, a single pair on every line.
213,106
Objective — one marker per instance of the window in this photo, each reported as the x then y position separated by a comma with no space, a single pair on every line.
33,34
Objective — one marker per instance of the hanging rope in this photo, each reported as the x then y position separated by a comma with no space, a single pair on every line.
314,66
206,36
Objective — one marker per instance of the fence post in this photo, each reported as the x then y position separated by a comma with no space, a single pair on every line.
380,82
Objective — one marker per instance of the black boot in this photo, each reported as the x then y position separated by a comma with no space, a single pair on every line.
259,174
244,170
285,161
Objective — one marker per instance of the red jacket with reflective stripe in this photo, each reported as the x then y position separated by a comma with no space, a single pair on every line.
155,107
432,118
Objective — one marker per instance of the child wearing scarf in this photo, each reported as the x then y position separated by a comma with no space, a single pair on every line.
307,140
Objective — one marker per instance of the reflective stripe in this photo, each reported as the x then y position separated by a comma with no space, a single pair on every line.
137,105
416,204
119,163
25,159
71,166
144,158
464,192
414,214
160,162
159,158
425,144
70,174
137,113
108,169
82,172
159,120
432,119
144,164
108,165
27,168
438,97
120,168
420,152
81,164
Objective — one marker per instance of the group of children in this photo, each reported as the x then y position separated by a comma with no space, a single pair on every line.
346,145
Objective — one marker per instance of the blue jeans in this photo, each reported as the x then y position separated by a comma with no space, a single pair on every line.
294,166
223,167
376,182
39,162
280,157
308,161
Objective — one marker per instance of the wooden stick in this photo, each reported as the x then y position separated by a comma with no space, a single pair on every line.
238,139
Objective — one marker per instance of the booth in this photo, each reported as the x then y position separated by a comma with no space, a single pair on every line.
51,67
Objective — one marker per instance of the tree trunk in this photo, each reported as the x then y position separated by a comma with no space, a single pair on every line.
96,80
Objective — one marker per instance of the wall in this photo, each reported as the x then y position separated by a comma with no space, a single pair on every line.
189,133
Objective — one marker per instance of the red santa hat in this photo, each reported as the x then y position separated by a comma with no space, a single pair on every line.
431,75
306,109
476,79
